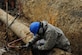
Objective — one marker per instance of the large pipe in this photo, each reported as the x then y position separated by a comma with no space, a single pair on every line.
17,27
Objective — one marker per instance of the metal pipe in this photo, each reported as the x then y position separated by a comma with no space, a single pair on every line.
17,27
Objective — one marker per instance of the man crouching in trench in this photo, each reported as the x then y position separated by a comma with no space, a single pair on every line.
47,37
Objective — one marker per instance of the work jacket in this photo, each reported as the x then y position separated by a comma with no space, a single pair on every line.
53,37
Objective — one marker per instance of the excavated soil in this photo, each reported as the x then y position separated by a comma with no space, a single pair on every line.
65,14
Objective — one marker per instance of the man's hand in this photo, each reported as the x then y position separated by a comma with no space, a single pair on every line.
35,47
28,45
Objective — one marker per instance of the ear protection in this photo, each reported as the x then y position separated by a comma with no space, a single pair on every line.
42,28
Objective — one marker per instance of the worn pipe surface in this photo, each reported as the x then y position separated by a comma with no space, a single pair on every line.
17,27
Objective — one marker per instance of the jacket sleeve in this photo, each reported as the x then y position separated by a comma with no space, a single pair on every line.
35,39
50,42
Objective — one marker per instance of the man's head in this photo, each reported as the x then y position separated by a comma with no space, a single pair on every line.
34,27
38,27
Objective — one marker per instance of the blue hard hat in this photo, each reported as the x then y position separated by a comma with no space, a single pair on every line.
34,27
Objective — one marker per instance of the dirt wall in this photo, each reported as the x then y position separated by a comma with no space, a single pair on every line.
65,14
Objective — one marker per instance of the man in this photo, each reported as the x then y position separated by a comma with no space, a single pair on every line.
47,37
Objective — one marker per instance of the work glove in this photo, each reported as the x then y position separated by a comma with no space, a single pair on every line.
35,47
27,46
